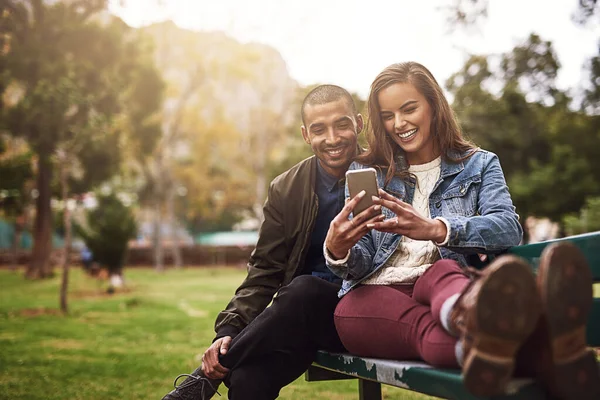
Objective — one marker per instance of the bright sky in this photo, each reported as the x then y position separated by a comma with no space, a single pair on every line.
348,42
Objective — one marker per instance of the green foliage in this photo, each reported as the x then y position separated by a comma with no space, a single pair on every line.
16,172
588,220
107,231
549,152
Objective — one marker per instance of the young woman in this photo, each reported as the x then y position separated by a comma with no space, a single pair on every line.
407,292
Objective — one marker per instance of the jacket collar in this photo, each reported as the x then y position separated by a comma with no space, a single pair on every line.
450,168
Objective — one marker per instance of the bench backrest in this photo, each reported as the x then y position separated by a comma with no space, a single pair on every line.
589,244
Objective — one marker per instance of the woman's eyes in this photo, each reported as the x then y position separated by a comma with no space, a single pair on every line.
388,117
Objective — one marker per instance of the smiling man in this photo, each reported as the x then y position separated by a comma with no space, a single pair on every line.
259,350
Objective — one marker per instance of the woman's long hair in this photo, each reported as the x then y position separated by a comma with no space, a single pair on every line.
382,151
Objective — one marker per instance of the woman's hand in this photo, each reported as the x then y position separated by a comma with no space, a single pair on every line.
408,221
344,233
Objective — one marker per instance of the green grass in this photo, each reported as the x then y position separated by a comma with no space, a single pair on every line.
126,346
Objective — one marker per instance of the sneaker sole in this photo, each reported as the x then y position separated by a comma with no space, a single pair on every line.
565,282
507,313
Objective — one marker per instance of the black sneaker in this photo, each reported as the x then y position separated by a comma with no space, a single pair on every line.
195,387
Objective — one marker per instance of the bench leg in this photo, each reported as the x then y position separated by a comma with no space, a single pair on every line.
369,390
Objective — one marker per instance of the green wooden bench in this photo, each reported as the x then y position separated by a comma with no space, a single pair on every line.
445,383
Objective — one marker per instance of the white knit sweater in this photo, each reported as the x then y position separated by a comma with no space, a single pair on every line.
412,257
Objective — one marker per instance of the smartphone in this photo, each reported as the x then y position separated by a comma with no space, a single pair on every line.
362,179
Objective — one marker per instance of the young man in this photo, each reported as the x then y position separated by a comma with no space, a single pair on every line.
259,350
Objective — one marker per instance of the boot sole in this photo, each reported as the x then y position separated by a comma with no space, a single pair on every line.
507,312
565,282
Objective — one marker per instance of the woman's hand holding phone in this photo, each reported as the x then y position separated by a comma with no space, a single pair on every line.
344,233
408,221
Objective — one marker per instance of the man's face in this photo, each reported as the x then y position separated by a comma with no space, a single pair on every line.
331,129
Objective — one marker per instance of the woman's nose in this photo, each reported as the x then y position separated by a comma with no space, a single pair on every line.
398,121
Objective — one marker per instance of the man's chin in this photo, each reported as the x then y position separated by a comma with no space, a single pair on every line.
336,164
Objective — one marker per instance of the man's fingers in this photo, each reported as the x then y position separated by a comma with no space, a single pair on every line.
225,344
220,369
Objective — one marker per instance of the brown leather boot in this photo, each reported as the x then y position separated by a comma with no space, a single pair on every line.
534,359
494,315
565,285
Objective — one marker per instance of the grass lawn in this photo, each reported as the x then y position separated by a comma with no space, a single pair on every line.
126,346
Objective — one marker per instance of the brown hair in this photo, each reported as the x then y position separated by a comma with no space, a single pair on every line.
383,152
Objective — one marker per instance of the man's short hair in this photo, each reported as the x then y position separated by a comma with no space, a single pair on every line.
324,94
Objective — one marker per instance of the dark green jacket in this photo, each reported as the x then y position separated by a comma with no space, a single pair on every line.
290,212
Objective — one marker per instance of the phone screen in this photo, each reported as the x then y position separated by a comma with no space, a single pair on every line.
362,179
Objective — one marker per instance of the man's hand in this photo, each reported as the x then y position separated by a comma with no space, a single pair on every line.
210,359
344,233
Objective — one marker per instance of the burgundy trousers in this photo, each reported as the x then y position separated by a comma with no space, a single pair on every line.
402,322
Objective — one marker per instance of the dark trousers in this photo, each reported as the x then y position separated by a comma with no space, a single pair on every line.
281,343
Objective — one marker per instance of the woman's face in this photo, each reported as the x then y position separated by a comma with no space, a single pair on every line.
406,116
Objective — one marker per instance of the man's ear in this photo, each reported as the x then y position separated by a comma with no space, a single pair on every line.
305,134
360,124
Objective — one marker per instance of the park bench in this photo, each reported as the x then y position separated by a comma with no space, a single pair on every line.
447,383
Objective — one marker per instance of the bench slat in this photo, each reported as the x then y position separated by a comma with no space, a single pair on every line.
418,376
588,243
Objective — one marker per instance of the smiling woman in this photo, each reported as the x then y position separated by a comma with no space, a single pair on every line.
405,292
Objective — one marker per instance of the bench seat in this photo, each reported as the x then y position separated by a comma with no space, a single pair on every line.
416,376
444,383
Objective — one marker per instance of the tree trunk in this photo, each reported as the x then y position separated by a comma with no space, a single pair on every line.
67,245
14,263
40,266
157,238
175,249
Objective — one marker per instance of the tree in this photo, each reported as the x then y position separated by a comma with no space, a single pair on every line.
588,219
15,185
107,232
69,93
546,148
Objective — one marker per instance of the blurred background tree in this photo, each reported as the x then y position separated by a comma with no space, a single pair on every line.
15,186
547,139
106,232
70,103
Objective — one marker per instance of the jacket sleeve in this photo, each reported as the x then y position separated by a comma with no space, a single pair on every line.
496,227
265,272
360,260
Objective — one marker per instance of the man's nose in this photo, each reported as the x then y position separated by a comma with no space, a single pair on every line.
331,137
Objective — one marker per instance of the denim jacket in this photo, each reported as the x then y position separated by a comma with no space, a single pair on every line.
471,195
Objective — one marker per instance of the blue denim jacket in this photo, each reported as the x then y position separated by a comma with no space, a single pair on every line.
472,195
